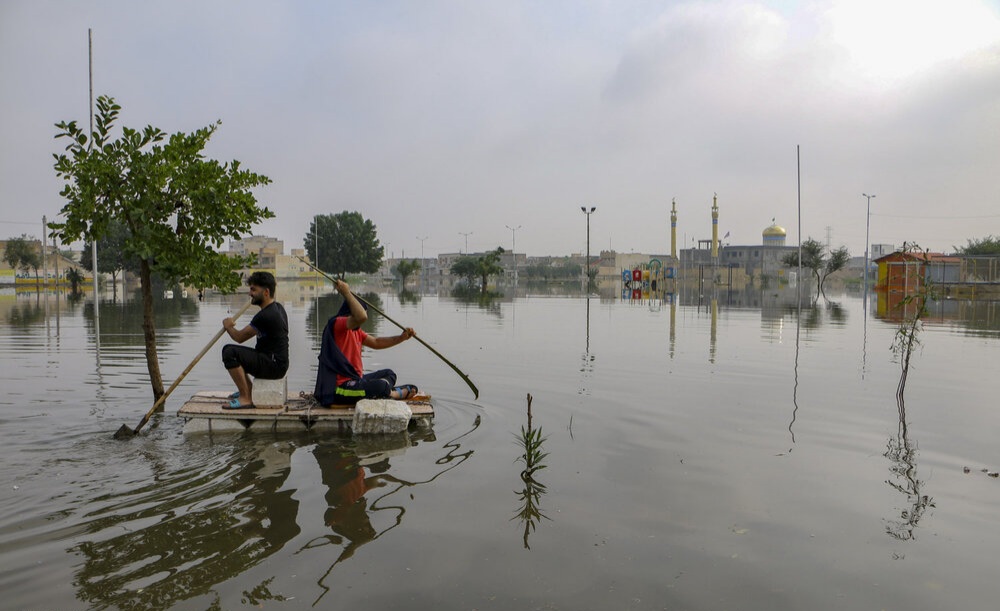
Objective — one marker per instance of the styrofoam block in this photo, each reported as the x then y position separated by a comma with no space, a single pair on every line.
213,425
196,425
270,393
380,416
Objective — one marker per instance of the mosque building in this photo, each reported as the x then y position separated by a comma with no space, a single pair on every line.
755,260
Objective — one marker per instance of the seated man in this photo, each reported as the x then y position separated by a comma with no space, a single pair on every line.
340,379
269,359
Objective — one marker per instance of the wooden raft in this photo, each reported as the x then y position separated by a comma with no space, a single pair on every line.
204,412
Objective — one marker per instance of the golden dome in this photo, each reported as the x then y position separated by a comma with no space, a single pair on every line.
774,231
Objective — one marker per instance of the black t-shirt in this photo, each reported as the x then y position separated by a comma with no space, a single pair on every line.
271,324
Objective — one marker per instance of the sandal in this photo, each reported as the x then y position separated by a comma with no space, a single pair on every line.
406,391
235,404
235,395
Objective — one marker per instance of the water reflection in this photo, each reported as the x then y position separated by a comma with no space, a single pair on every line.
492,304
673,326
186,531
529,510
349,514
978,317
120,324
795,375
190,529
713,329
407,297
24,311
902,453
836,313
587,359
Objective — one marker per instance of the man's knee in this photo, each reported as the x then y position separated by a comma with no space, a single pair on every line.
229,356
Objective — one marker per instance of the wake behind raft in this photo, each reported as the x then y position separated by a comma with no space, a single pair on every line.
277,410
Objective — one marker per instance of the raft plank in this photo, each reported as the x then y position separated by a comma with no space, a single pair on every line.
204,412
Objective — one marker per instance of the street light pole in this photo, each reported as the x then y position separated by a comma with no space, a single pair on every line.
868,220
422,262
466,240
588,213
513,248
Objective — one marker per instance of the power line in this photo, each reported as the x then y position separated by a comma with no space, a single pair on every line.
948,217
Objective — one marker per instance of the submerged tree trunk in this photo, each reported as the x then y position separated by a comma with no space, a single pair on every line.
149,330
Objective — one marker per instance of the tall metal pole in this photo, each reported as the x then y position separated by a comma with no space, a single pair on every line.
466,240
316,240
90,145
316,253
798,195
868,220
588,213
513,247
45,269
422,262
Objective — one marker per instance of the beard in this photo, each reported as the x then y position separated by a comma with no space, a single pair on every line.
257,299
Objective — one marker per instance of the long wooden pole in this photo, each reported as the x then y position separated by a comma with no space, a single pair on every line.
460,373
125,432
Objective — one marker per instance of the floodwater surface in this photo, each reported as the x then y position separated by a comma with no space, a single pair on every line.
717,453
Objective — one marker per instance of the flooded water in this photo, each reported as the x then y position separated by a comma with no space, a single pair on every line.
727,453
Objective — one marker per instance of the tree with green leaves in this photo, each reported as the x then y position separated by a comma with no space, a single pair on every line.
75,280
565,271
405,269
814,258
176,205
348,243
478,269
990,245
21,254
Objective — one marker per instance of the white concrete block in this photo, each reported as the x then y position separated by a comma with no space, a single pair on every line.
380,416
270,393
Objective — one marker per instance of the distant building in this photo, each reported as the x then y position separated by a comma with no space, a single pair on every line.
271,257
55,270
266,249
756,261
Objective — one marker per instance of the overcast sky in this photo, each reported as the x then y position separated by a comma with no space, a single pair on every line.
436,119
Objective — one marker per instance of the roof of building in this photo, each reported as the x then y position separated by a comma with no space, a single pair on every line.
913,256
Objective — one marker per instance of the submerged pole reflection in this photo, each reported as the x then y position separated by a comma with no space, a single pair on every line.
587,359
714,328
795,367
673,325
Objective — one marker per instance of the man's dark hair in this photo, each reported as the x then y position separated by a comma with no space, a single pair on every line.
264,280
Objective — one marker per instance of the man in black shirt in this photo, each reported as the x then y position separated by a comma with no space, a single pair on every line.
269,360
